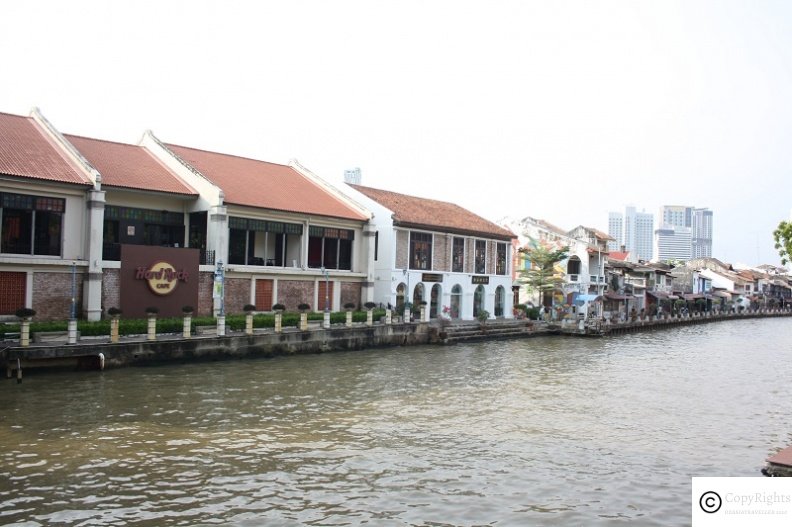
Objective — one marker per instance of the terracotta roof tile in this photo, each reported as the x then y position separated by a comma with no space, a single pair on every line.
129,166
433,214
266,185
26,151
618,255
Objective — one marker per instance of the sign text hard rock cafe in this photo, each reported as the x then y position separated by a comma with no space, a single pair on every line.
162,277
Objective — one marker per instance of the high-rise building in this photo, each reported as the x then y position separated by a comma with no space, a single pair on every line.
353,176
672,242
698,220
702,233
634,230
615,230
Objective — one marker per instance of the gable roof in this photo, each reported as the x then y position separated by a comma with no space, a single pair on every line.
430,214
129,166
618,256
261,184
26,151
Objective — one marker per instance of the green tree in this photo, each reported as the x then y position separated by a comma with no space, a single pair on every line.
783,241
542,277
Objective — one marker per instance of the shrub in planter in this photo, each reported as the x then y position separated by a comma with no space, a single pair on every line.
152,310
248,308
187,310
114,312
25,312
279,307
349,306
304,307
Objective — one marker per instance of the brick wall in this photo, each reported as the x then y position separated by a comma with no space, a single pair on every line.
237,294
441,253
52,295
111,289
292,293
350,292
402,249
205,302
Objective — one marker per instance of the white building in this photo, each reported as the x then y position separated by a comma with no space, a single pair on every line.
698,220
635,232
672,242
436,252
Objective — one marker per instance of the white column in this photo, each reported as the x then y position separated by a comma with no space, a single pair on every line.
92,280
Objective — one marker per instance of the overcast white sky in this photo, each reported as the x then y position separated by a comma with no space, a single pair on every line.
557,110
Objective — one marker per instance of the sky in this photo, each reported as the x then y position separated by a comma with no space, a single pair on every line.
561,110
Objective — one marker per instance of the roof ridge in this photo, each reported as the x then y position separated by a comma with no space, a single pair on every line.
412,196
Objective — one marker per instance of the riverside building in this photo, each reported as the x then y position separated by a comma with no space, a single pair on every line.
437,252
96,221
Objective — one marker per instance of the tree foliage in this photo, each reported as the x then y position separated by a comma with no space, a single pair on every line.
783,241
542,276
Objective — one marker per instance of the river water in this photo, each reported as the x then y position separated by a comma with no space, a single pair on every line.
544,431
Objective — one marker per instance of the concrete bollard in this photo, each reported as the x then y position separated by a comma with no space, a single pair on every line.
221,326
186,326
71,331
152,328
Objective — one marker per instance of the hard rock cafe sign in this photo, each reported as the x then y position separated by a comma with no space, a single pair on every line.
162,277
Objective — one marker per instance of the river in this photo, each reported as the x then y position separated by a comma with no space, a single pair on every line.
543,431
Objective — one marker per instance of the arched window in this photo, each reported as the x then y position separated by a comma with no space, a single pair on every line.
478,300
500,301
418,295
573,267
434,303
401,292
456,300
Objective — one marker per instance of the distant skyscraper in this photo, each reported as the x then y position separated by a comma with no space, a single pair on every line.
615,230
634,230
702,233
698,220
672,242
353,176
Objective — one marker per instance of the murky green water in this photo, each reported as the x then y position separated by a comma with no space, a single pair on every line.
547,431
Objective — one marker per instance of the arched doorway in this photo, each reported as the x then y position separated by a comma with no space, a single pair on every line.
434,303
456,300
418,297
401,293
478,301
500,301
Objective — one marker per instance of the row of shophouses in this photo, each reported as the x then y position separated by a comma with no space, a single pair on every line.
88,224
603,284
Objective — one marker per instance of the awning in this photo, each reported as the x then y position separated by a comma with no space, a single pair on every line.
694,296
722,294
614,296
659,295
582,299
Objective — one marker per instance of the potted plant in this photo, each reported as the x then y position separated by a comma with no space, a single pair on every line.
278,309
304,316
115,315
151,314
249,309
187,312
24,314
349,306
369,312
482,317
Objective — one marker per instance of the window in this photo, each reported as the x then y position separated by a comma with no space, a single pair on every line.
500,259
140,227
573,265
458,256
31,224
376,246
420,250
330,248
481,257
261,242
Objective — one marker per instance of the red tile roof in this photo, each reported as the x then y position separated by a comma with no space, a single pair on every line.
26,151
618,255
431,214
266,185
129,166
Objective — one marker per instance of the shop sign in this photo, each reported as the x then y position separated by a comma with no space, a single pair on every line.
162,277
431,277
480,280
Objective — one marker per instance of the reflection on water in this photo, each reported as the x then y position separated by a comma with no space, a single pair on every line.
548,431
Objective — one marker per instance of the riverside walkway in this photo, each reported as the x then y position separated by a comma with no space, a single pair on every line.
135,350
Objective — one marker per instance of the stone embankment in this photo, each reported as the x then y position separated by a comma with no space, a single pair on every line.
138,351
